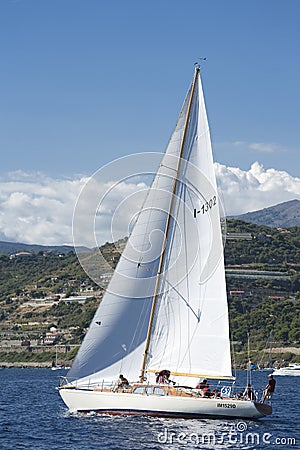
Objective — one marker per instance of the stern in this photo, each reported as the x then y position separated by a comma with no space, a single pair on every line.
263,409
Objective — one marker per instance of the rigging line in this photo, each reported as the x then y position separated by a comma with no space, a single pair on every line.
193,188
190,340
185,301
198,253
167,167
233,355
166,332
144,266
197,193
187,195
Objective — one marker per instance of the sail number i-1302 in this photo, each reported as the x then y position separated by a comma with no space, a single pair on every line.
206,206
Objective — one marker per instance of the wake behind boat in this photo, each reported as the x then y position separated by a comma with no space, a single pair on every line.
166,304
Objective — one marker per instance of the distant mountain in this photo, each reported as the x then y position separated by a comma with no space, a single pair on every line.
284,215
8,248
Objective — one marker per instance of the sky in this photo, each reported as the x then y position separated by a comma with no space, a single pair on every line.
84,82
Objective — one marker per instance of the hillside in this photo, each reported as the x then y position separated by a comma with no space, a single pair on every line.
8,248
284,215
50,290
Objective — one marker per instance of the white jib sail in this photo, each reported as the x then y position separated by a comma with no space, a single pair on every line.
190,333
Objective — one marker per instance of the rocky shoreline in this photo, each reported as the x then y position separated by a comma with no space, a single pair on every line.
25,365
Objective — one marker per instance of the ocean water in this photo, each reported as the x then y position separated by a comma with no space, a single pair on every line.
32,416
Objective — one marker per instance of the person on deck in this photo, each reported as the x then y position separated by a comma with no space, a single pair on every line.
202,384
123,382
207,392
249,393
163,376
269,389
216,393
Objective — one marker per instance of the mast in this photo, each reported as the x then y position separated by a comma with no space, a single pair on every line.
270,351
167,227
249,377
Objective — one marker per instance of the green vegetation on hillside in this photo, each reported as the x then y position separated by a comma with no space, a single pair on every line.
263,283
268,248
45,272
281,317
260,304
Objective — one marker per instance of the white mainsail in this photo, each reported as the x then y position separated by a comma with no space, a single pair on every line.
190,336
177,233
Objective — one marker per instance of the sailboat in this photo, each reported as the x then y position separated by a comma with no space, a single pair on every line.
292,370
166,306
55,365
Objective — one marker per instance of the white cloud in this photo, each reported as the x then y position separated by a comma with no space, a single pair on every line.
39,209
263,147
244,191
104,211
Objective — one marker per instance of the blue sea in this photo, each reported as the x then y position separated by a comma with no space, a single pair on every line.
32,416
